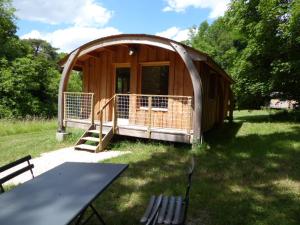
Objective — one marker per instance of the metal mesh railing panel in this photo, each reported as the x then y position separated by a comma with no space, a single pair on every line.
78,106
156,111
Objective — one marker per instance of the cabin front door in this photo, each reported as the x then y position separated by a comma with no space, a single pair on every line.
123,87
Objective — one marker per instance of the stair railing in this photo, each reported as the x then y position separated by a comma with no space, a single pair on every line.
100,113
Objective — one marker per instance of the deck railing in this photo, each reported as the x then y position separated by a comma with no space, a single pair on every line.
152,111
79,106
155,111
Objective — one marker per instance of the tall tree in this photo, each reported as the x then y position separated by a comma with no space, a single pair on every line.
258,43
29,74
270,61
41,48
11,46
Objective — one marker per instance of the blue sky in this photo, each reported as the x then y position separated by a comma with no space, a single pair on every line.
67,24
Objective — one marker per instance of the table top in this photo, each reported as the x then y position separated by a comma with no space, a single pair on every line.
59,195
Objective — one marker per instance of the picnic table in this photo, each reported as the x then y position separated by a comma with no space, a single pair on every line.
59,196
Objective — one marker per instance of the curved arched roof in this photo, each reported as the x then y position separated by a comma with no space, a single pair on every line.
158,41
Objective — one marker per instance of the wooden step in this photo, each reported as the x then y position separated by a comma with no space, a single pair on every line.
93,131
97,131
91,139
105,128
86,147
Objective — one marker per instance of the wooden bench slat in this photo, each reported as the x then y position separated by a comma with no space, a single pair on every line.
173,210
170,211
154,212
178,211
162,211
148,210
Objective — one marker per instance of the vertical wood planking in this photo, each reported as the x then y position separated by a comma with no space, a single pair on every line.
133,86
171,118
109,84
98,77
103,81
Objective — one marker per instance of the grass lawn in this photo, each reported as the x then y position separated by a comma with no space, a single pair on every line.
248,174
22,137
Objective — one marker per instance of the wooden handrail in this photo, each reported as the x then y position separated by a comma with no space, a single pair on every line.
101,119
79,93
104,106
167,96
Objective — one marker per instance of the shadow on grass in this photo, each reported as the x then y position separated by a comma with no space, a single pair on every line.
162,171
272,116
249,179
252,179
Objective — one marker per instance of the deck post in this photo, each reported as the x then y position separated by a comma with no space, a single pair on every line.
65,110
149,114
191,114
92,109
115,113
198,90
63,86
100,129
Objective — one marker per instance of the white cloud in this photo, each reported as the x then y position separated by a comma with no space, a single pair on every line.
175,33
75,12
85,19
70,38
217,7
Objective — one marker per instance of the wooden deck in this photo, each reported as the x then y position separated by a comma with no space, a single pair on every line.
140,131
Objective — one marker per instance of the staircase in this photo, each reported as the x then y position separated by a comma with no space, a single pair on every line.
91,141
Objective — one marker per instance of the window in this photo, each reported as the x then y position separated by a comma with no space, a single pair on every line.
155,81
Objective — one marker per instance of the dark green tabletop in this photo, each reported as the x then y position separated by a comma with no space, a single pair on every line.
57,196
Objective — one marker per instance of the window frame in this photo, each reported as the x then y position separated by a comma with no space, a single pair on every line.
154,64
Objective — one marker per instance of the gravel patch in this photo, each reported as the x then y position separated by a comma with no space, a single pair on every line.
52,159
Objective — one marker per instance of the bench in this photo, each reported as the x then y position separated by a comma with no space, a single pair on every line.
24,169
169,209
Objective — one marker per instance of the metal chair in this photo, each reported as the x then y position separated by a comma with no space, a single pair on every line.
169,209
6,178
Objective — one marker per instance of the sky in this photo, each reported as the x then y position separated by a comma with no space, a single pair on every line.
67,24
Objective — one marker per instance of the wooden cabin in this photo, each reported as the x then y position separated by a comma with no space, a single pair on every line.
143,86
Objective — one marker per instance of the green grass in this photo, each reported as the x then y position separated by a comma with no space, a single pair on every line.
247,173
22,137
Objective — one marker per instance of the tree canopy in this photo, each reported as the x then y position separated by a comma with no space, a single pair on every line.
258,43
29,75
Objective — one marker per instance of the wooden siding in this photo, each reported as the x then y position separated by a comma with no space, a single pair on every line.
99,78
215,109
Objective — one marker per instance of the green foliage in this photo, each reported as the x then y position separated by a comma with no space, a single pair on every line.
42,49
75,82
29,72
219,34
258,43
8,28
26,87
11,46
